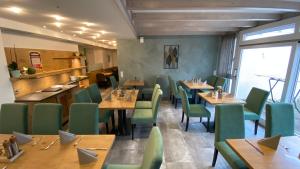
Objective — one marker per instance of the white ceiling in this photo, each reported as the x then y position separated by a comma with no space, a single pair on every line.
104,13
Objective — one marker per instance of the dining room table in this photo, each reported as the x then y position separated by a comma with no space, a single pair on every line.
59,156
195,87
120,100
134,83
255,155
212,99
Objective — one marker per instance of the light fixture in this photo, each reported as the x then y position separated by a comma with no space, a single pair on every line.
44,26
57,17
88,24
61,31
98,35
94,37
57,24
141,39
74,35
103,32
80,32
15,9
83,28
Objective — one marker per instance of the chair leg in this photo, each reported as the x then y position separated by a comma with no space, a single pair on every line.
187,123
256,126
154,124
106,125
200,119
143,96
176,101
132,131
208,124
182,118
172,99
215,158
113,121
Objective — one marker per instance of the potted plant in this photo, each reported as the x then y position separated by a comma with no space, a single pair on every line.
13,69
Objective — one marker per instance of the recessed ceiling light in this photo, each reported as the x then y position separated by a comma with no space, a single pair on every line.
44,26
61,31
94,37
74,35
80,32
15,9
83,28
88,24
103,32
98,35
57,17
57,24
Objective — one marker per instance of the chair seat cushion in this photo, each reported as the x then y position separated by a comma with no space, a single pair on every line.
105,115
249,115
141,116
119,166
143,105
197,110
231,157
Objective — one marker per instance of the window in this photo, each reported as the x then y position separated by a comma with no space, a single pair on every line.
270,32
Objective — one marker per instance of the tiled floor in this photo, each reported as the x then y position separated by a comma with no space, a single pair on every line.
182,150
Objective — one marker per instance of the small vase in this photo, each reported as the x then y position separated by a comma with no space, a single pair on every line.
15,73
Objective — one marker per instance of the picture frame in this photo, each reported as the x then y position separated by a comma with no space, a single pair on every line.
171,56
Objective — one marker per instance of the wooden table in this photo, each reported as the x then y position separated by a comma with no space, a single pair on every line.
59,156
195,87
134,83
275,159
115,103
226,99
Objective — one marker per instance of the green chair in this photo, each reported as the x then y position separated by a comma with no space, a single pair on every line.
192,110
147,104
13,117
229,124
148,90
113,82
176,95
104,116
153,153
254,106
212,80
84,118
146,116
170,88
82,96
220,82
46,118
279,120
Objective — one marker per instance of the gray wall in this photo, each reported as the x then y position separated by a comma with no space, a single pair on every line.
197,57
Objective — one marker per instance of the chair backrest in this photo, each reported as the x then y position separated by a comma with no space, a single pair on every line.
13,117
94,93
220,82
156,104
82,96
153,155
211,80
84,118
156,87
279,120
256,100
174,88
184,100
113,82
229,122
46,118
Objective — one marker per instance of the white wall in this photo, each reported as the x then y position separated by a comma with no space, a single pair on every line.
6,90
98,58
33,42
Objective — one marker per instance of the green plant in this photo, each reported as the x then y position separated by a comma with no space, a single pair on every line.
31,70
13,66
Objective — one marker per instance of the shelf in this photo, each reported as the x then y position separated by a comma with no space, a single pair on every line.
73,57
48,73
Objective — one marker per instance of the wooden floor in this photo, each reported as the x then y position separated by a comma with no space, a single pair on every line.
182,150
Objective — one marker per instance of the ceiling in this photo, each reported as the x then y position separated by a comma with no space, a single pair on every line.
202,17
95,20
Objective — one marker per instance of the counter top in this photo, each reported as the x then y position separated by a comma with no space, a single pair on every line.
39,96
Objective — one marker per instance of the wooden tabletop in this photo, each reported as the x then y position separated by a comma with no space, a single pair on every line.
60,156
226,99
197,86
117,103
285,157
134,83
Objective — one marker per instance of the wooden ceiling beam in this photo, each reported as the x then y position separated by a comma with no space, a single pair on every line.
176,33
188,29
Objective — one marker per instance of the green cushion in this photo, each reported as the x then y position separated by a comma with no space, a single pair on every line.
256,100
13,117
82,96
197,110
119,166
84,118
94,93
279,120
250,115
231,157
46,118
143,105
141,116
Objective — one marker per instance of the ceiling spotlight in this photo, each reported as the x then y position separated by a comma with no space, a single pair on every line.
15,9
94,37
83,28
57,24
44,26
103,32
61,31
74,35
98,35
57,17
89,24
141,39
80,32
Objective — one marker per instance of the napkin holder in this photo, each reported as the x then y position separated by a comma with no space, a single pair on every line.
4,159
271,142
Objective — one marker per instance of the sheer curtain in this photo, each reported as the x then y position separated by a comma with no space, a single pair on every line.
226,57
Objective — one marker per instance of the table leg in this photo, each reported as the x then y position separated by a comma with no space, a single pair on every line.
120,123
125,122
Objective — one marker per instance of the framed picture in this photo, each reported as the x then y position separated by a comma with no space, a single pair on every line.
35,59
171,55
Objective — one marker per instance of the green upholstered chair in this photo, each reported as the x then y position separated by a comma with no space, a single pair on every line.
176,95
279,120
82,96
211,80
13,117
254,106
170,88
147,104
192,110
229,124
220,82
46,118
153,153
84,118
148,90
113,82
104,116
146,116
